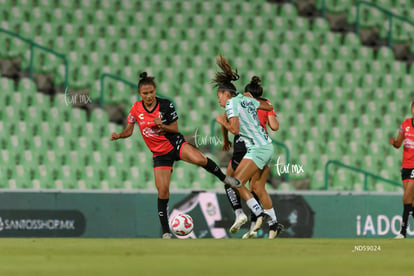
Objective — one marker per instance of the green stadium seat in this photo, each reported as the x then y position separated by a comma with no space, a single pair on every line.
288,79
136,179
27,86
4,183
43,178
345,53
67,184
377,67
385,54
343,180
317,181
112,178
6,85
388,82
91,176
181,179
320,26
286,187
288,11
325,53
306,53
337,6
369,81
366,54
22,177
329,81
407,82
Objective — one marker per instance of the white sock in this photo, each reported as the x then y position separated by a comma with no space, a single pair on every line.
254,206
271,213
239,212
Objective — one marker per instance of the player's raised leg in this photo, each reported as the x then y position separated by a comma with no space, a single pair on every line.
192,155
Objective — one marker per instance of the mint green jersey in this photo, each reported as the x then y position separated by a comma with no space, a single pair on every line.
251,131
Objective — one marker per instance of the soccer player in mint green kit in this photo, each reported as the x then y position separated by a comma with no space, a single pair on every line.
241,118
258,182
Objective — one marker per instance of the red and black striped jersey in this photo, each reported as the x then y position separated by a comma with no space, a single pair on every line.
158,141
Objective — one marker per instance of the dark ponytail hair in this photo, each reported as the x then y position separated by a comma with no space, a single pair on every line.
254,87
223,80
146,80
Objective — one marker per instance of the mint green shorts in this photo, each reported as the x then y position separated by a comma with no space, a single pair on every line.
260,155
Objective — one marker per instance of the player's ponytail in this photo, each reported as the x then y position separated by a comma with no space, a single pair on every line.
146,80
254,87
223,80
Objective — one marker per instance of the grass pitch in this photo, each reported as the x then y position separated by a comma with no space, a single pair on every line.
154,257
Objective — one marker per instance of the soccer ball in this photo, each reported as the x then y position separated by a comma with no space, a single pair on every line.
182,225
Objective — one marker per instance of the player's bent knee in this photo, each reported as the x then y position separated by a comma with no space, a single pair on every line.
199,161
163,193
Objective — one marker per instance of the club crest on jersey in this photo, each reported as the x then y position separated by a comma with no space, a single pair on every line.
131,118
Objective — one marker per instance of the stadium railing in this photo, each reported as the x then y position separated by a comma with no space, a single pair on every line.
390,17
357,170
131,84
34,45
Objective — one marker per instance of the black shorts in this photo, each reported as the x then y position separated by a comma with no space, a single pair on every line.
166,161
239,150
407,174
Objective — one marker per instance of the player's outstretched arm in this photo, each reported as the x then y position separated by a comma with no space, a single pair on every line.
129,129
264,105
273,122
231,125
396,143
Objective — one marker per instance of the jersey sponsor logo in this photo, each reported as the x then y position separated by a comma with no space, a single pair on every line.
251,109
409,143
150,132
141,116
407,129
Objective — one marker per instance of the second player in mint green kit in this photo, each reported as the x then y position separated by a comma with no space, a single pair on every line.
259,145
241,118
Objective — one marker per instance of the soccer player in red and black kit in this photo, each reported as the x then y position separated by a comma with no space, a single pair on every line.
406,135
157,121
